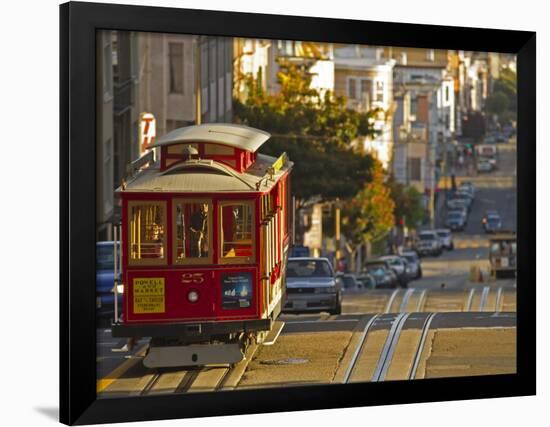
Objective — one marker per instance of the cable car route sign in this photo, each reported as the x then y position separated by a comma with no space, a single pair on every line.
149,295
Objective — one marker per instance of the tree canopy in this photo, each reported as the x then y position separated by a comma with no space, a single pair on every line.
316,130
503,99
370,214
408,203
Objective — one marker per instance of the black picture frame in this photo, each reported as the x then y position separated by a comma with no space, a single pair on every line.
78,25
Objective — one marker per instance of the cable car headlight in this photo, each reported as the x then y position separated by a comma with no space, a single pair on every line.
192,296
119,288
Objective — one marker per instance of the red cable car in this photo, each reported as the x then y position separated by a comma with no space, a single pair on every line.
204,242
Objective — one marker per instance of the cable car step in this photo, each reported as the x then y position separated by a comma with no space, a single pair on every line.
193,355
272,336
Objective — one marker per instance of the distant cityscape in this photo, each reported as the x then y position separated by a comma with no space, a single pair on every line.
426,100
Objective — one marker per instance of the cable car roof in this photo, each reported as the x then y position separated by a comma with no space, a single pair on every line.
237,136
205,176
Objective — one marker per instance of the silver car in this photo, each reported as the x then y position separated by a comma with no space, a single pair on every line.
414,268
311,286
446,238
428,243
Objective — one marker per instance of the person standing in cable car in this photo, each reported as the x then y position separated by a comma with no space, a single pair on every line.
198,230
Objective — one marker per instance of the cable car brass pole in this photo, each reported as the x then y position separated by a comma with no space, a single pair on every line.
198,81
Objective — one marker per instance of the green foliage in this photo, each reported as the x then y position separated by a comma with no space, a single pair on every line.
408,203
315,129
503,99
370,214
498,103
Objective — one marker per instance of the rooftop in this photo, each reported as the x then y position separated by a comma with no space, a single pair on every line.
236,136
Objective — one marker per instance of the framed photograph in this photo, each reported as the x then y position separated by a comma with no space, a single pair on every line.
266,213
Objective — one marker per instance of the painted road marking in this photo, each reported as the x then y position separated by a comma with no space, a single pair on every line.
106,381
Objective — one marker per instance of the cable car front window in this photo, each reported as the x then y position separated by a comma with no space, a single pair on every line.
237,220
192,230
147,232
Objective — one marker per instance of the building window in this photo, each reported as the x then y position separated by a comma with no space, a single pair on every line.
379,91
430,55
415,168
414,106
175,59
446,93
352,88
147,225
366,90
192,231
237,232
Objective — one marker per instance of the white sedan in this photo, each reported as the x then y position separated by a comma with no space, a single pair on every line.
484,166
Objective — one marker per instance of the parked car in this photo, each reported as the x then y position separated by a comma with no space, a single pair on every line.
446,238
414,266
428,243
399,265
384,276
459,199
349,282
311,285
469,186
492,222
367,280
455,221
483,165
501,137
462,210
105,278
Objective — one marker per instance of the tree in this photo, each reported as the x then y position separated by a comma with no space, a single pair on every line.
497,103
503,99
408,203
315,129
370,214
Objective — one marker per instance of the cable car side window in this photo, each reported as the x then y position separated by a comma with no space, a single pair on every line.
192,227
237,232
147,233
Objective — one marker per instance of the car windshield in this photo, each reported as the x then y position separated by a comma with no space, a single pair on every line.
493,219
427,236
393,261
410,258
443,233
105,258
308,269
454,215
376,269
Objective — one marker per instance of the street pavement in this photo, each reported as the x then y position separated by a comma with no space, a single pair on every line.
443,325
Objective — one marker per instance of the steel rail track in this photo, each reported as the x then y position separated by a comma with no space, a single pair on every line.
359,348
421,343
389,347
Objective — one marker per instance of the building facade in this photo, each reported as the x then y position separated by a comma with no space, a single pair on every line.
365,78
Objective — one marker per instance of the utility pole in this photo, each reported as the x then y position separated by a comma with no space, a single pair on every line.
337,232
198,64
